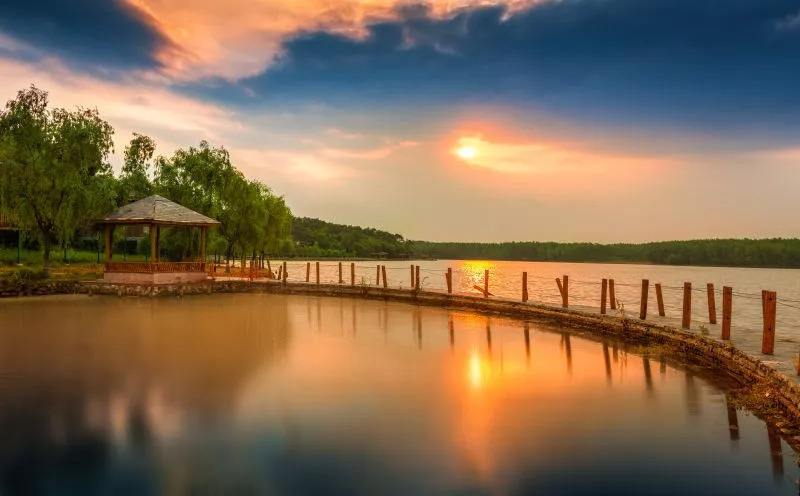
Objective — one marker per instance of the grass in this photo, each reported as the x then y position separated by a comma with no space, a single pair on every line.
81,264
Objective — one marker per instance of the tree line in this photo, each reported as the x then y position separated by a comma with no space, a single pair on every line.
776,252
55,180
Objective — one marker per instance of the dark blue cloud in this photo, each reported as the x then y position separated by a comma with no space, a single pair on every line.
102,35
705,62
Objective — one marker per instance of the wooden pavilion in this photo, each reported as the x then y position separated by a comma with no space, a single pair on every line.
155,212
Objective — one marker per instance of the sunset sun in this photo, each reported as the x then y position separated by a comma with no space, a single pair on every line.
466,152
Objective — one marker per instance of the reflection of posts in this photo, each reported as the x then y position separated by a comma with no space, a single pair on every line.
527,343
489,336
733,420
692,395
568,349
607,360
648,376
776,453
452,329
418,315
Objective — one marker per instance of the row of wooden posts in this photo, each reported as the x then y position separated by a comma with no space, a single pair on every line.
607,297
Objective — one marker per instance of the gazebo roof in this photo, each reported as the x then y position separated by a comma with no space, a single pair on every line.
157,210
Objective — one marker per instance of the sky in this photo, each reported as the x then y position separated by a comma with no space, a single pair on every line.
453,120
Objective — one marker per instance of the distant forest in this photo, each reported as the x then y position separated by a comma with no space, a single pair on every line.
315,237
715,252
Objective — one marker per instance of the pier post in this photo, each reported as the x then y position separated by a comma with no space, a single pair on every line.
449,279
352,273
412,278
383,273
285,273
686,322
612,295
768,305
377,275
660,300
308,271
524,287
416,276
727,307
486,283
317,269
603,294
643,304
712,304
340,273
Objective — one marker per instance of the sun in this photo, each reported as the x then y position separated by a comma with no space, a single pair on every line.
467,152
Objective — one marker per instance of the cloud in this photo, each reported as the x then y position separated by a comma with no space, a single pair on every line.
105,36
700,64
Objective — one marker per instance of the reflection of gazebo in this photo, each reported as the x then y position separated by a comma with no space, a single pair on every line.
155,211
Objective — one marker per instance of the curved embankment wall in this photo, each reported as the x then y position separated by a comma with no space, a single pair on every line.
775,390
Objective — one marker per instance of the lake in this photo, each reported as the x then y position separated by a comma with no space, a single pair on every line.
277,394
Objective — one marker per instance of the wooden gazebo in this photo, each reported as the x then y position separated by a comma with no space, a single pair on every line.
155,212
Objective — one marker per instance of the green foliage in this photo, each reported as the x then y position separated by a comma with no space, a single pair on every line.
23,275
135,180
54,176
317,238
712,252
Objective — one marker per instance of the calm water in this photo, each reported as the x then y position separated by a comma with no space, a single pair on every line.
506,280
270,394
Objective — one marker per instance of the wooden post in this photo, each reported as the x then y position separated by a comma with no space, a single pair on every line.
285,273
486,283
660,300
340,273
727,308
413,285
107,252
449,279
317,270
643,304
686,322
712,304
524,287
416,276
603,294
612,296
308,271
377,275
565,294
352,274
768,304
202,244
383,273
560,288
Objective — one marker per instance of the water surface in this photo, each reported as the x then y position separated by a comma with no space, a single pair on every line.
273,394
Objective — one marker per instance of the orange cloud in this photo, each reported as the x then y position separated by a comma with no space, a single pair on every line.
240,38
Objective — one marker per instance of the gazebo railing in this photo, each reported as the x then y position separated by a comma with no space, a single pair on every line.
155,267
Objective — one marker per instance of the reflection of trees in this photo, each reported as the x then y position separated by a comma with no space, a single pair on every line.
80,376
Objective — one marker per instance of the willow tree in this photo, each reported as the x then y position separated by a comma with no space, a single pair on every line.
54,174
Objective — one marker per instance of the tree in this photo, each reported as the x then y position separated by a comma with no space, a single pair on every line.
54,174
135,180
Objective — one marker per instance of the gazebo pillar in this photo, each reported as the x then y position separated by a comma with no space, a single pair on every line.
203,244
155,234
107,231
